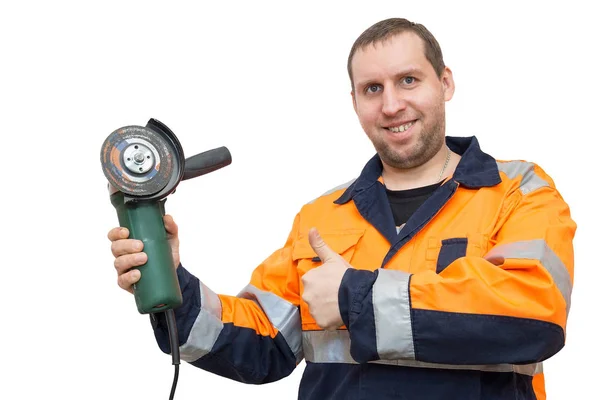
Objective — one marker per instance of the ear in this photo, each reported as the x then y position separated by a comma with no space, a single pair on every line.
447,84
353,101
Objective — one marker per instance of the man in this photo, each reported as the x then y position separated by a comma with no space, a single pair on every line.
439,273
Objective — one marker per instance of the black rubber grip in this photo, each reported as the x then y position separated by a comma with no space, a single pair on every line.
206,162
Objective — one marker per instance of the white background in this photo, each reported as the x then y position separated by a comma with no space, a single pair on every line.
267,80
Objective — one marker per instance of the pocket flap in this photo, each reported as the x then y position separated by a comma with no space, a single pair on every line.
338,241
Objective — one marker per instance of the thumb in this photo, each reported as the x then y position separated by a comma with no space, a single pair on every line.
319,246
170,225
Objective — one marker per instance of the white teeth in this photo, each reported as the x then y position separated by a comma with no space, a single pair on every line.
401,128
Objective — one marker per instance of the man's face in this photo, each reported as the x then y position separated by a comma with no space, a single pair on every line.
399,100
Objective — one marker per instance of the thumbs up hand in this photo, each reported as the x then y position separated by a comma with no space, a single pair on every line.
321,284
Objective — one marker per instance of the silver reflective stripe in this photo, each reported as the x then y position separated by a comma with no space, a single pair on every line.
206,329
335,189
282,314
391,308
327,347
529,369
536,250
334,347
530,181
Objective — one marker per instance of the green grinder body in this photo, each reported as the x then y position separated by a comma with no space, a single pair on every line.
158,287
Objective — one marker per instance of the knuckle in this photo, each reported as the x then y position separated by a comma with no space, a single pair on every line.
114,248
120,282
123,263
138,259
112,234
307,276
131,279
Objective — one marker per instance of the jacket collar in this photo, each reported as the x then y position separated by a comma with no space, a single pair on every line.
475,169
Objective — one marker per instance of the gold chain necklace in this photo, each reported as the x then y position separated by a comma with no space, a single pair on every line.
445,164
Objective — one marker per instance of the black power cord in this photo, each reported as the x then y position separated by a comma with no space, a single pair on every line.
174,340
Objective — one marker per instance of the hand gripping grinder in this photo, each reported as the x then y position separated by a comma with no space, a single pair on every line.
143,165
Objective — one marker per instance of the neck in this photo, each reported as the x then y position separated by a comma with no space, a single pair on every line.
423,175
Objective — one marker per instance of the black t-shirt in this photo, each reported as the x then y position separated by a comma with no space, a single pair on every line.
405,202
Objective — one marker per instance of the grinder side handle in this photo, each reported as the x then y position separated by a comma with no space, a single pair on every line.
206,162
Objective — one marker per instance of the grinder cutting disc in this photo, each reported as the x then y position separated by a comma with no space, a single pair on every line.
141,161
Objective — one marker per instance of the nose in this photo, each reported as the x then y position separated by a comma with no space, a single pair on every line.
393,101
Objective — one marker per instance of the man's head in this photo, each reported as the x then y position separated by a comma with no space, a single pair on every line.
399,88
390,27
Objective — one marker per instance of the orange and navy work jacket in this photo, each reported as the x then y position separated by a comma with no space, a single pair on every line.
465,301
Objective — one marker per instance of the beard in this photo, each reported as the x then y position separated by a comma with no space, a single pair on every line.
429,142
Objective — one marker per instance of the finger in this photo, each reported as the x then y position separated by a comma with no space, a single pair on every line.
128,261
170,225
125,281
319,246
126,246
331,327
118,233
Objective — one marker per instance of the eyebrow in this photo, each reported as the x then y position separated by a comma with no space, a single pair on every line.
406,72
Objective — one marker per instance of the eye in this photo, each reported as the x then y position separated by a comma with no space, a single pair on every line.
409,80
374,88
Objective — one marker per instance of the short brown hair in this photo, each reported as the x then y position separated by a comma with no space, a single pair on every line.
387,28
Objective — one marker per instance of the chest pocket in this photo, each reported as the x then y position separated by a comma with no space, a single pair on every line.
451,250
342,242
442,252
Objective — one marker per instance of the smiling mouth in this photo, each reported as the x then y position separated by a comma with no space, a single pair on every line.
401,128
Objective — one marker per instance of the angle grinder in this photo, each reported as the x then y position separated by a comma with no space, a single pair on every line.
143,165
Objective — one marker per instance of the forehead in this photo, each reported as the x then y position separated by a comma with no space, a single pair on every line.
395,54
